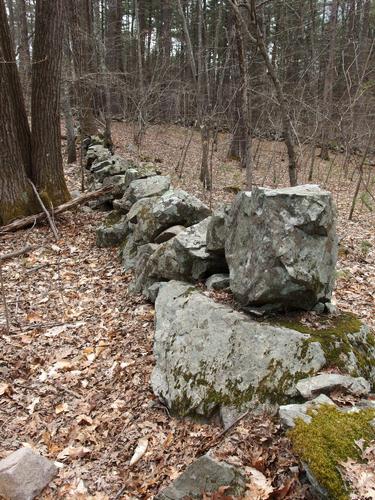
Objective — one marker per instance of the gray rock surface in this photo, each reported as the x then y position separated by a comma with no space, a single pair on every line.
169,233
184,257
172,208
282,246
328,382
115,168
218,282
205,475
128,253
208,355
290,413
98,153
144,188
113,231
217,230
24,474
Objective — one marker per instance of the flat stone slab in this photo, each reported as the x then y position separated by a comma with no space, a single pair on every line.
328,382
24,474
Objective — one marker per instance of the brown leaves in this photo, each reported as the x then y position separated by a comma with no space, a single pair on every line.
361,476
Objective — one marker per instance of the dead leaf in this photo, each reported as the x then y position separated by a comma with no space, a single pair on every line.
32,405
74,453
139,451
61,408
5,389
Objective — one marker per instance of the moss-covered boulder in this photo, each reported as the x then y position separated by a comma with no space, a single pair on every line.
348,344
209,356
329,438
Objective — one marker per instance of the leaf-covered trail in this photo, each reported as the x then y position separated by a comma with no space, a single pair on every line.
75,374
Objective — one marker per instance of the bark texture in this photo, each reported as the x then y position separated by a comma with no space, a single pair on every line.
47,165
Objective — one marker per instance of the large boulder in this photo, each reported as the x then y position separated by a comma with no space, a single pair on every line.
209,356
159,213
144,188
217,230
281,247
184,257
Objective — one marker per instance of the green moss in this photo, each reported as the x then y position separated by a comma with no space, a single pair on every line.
27,204
234,393
333,334
328,440
338,327
112,219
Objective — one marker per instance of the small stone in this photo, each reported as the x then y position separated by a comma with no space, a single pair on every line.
24,474
112,232
218,282
75,194
328,382
331,308
217,230
319,308
290,413
205,475
229,415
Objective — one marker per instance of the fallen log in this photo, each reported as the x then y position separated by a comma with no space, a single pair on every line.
32,219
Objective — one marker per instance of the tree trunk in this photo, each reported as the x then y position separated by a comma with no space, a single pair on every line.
80,14
69,123
114,54
245,109
16,195
328,84
47,165
24,51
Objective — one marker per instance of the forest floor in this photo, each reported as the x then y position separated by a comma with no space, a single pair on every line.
76,363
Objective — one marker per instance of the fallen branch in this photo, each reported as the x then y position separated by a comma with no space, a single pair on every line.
31,219
17,253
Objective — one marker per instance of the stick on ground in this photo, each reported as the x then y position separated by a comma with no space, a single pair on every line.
31,219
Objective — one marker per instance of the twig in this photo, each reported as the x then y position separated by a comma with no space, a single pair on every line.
213,442
49,218
16,253
6,310
119,493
